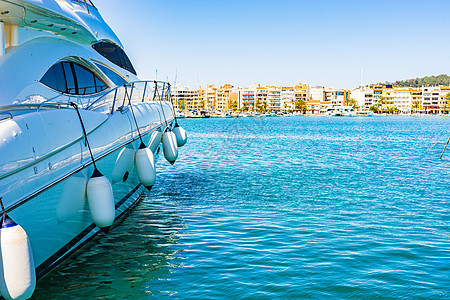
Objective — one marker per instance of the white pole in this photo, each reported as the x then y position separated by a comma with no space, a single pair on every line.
14,41
2,38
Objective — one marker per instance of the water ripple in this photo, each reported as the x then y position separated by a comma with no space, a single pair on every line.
334,208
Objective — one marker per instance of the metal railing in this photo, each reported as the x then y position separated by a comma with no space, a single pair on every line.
5,115
112,100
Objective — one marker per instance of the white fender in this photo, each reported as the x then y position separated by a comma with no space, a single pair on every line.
17,271
73,198
180,134
170,146
155,140
124,164
145,167
101,201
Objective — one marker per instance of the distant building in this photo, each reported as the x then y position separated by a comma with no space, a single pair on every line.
430,99
334,97
444,103
287,97
364,97
317,96
273,98
184,98
402,99
261,98
318,99
247,99
223,102
388,95
377,93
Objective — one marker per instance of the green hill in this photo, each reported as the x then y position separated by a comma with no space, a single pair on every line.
442,79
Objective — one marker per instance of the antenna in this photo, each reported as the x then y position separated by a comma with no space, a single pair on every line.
176,76
362,77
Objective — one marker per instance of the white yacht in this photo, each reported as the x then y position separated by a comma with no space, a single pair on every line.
70,99
341,111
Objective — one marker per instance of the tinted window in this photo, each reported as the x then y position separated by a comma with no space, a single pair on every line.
116,78
85,81
54,78
70,78
70,81
115,55
99,86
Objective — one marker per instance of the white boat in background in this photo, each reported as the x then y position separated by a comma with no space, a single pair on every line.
180,115
70,99
364,113
341,111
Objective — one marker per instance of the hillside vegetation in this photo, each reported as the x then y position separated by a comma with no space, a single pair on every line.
442,79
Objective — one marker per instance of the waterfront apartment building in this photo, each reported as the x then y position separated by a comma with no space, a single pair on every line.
287,97
247,99
364,97
184,98
430,99
224,101
386,101
207,97
302,92
444,103
416,98
317,99
333,97
377,94
274,98
261,98
402,99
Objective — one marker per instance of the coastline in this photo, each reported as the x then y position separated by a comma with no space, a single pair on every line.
317,115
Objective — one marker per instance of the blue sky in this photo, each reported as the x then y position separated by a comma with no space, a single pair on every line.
283,42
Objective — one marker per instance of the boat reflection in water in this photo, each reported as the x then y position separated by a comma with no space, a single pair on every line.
149,240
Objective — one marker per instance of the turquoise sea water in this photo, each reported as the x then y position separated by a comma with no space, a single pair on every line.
300,208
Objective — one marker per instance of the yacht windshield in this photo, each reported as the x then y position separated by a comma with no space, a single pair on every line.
114,54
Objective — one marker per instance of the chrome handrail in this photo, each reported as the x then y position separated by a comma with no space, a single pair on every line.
137,91
130,89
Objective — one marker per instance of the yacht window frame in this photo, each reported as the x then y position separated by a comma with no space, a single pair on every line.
96,78
118,56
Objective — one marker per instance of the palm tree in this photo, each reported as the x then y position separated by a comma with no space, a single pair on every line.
446,108
381,102
261,106
374,108
415,106
352,102
202,105
300,104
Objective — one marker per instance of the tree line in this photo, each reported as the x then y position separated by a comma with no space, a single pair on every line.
442,79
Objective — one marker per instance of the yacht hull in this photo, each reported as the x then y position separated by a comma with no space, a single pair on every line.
43,177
